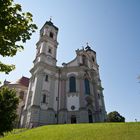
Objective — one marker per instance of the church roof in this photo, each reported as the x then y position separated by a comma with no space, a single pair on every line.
51,24
88,48
22,81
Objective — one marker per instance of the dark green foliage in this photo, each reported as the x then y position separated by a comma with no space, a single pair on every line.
115,117
15,26
8,106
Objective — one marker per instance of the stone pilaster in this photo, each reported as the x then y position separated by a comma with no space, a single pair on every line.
83,113
82,96
29,93
34,117
36,98
63,94
52,90
103,113
97,107
62,116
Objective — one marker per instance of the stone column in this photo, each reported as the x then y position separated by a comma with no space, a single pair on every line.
27,97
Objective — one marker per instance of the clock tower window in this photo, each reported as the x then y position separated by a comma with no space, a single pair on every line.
46,78
93,59
49,50
51,35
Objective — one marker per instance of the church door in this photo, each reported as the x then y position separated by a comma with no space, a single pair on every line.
73,119
90,116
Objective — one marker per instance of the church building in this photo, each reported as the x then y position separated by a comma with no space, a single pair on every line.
68,94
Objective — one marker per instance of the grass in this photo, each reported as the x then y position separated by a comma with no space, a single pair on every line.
96,131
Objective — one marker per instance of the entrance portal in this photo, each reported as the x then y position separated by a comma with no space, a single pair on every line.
90,116
73,119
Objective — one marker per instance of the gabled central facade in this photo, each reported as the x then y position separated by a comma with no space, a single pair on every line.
68,94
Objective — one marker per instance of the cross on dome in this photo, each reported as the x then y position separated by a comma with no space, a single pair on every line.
50,19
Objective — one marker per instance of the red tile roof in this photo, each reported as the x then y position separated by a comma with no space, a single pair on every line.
23,81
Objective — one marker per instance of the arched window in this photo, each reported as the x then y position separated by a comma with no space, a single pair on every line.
72,84
51,34
87,86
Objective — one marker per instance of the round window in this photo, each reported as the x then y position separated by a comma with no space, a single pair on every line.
72,107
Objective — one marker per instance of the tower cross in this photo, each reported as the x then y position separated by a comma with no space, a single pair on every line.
50,18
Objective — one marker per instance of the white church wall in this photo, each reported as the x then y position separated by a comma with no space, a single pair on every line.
95,67
45,31
100,102
72,73
51,93
73,101
33,84
33,89
72,63
80,60
43,106
43,47
55,95
99,97
46,85
28,117
47,71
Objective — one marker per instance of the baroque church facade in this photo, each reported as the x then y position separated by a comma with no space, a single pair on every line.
68,94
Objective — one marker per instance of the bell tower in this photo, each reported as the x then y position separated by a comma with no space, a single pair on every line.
47,44
40,105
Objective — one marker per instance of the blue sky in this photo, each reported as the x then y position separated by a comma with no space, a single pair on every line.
112,29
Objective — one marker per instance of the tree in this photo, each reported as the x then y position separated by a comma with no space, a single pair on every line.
15,27
115,117
8,105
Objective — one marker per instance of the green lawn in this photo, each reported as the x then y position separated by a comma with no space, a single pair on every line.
96,131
